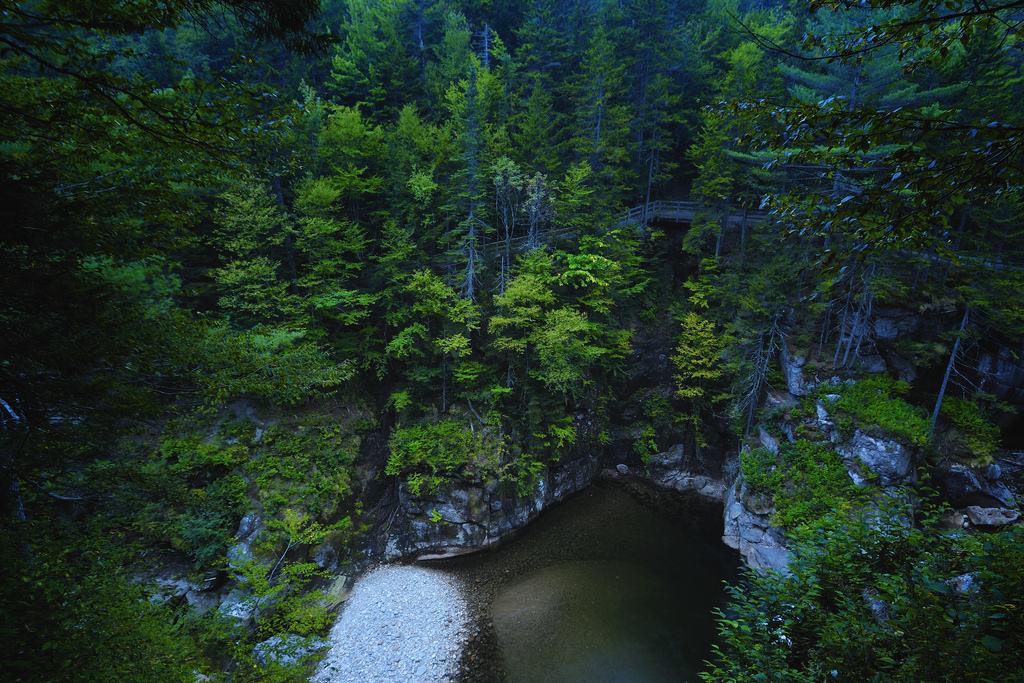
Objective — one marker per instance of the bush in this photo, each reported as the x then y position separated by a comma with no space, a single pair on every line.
817,624
439,449
876,401
806,481
979,438
817,484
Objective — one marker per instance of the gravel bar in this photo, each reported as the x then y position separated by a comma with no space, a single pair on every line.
402,623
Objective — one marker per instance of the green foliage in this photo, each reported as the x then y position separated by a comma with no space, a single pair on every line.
759,467
430,454
975,436
645,445
306,463
807,481
877,401
71,610
873,597
700,368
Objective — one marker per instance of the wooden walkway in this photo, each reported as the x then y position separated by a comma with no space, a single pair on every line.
685,212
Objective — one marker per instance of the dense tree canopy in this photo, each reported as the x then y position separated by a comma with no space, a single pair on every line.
416,205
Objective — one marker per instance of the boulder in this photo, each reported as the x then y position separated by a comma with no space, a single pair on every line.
966,485
288,650
980,516
757,540
964,584
792,369
338,592
891,460
873,364
886,328
248,529
1002,374
895,323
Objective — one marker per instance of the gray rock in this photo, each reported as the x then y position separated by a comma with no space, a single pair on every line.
287,650
905,369
964,584
951,519
674,456
879,608
476,515
337,592
621,467
967,486
991,516
792,369
886,328
761,544
685,482
326,556
239,605
248,529
873,364
890,460
170,587
1002,374
201,601
767,440
821,413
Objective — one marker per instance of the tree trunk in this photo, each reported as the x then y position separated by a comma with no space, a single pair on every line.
949,369
289,252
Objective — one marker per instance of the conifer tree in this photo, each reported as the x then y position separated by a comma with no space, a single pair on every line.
373,64
600,131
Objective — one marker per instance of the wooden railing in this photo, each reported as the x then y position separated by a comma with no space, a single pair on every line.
683,211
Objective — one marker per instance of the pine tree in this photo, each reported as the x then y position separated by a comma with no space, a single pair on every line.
600,134
373,65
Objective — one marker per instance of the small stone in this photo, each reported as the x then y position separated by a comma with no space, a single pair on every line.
621,467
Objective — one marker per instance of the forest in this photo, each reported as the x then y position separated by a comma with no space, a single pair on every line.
420,232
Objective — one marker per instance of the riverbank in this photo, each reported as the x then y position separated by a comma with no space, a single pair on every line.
402,623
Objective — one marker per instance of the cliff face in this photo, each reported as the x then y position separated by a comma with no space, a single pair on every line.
806,408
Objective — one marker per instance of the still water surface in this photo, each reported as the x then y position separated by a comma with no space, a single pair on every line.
602,589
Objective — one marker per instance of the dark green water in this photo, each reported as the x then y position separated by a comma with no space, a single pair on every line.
598,589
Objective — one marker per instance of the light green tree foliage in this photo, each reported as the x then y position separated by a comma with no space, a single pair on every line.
434,334
352,149
699,364
453,58
714,186
536,129
373,65
331,251
416,150
874,597
219,364
553,343
249,235
310,122
575,203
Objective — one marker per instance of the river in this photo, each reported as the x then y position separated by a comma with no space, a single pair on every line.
598,589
